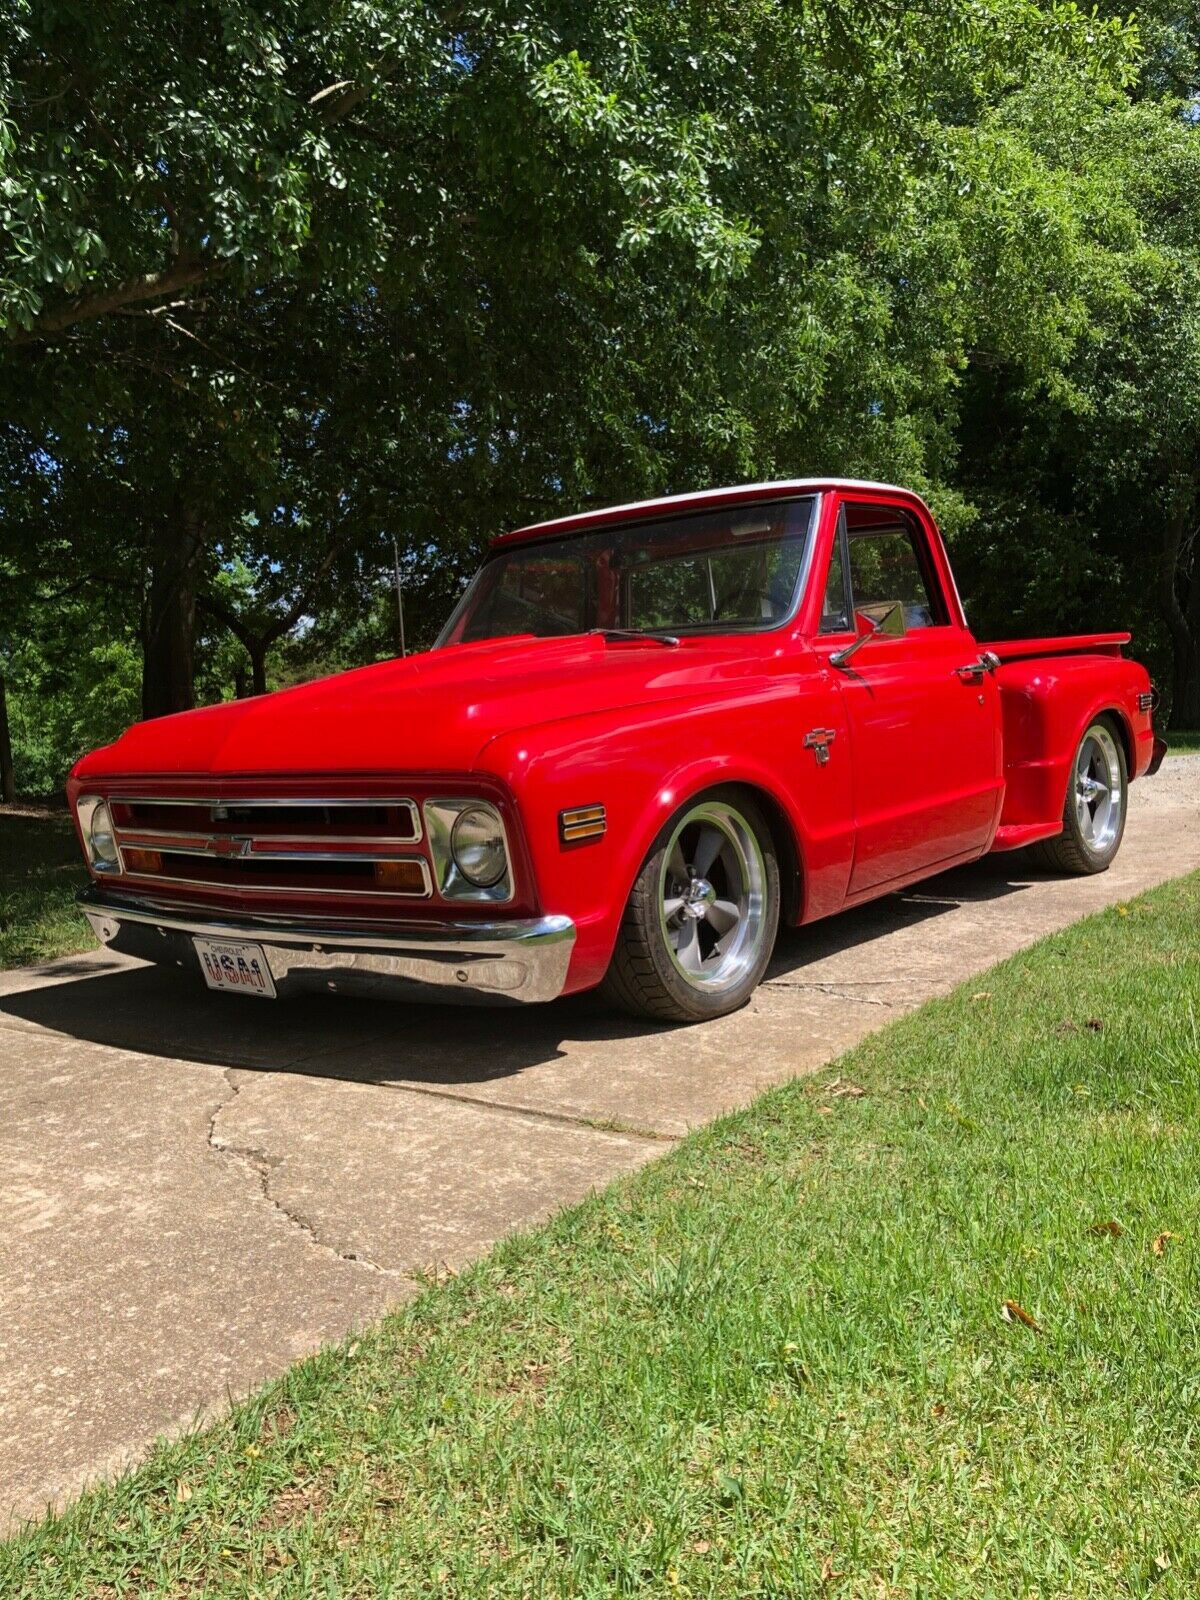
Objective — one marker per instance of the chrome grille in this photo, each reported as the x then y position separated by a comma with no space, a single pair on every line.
272,845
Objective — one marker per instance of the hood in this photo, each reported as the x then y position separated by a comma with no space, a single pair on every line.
432,712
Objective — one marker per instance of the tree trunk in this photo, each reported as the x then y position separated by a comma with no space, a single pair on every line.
258,665
169,641
1185,713
8,781
1185,695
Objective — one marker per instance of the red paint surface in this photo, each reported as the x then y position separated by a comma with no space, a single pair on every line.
924,768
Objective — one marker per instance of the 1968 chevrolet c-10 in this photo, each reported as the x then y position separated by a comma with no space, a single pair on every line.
646,735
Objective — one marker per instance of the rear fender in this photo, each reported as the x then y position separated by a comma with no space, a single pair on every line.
1046,706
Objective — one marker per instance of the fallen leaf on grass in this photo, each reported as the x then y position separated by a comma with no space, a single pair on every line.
731,1490
937,1410
1161,1242
828,1571
702,1547
183,1492
843,1089
1163,1563
1012,1312
1094,1024
984,994
1113,1229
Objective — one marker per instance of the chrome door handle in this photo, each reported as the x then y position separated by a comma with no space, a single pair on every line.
973,672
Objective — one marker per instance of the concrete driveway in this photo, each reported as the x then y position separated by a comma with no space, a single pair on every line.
196,1190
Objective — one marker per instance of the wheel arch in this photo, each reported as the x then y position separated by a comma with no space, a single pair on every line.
684,790
1106,711
1115,716
787,849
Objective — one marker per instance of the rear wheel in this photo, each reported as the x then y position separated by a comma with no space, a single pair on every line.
1094,814
700,923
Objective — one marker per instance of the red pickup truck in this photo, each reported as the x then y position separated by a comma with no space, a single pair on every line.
646,735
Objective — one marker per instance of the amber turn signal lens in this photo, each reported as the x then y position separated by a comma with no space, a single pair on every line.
584,822
143,861
402,877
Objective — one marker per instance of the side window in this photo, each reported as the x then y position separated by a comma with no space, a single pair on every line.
889,564
835,610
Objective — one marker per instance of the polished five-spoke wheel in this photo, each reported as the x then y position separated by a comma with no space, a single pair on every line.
1094,814
700,923
712,896
1099,788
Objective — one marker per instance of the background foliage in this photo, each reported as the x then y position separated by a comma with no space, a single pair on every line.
283,284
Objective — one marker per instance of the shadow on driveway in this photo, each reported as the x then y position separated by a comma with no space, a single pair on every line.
167,1013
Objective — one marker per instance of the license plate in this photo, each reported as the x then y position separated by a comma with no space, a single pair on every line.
235,967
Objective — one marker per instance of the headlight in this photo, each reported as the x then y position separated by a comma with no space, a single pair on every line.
470,850
95,821
477,845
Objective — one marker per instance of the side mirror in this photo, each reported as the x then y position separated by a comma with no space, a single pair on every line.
888,623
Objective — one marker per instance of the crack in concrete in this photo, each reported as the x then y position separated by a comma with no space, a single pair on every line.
562,1119
830,989
260,1164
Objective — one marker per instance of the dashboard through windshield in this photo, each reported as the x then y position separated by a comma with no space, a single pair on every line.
737,569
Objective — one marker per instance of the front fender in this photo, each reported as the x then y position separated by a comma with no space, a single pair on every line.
643,763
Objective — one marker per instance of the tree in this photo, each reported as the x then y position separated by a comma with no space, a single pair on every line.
1087,476
428,271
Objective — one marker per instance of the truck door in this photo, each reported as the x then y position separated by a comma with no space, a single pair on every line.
922,713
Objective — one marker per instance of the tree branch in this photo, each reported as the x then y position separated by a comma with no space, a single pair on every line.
134,291
338,100
279,626
221,612
332,104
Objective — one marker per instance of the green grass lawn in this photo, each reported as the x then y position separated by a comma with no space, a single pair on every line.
40,870
786,1360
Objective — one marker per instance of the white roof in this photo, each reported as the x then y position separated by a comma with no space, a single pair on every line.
774,487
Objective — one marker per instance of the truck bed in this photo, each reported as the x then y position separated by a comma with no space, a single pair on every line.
1050,689
1068,644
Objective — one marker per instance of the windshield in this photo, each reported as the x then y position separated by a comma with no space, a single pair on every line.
733,570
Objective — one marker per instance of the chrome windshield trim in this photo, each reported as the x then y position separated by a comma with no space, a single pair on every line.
685,631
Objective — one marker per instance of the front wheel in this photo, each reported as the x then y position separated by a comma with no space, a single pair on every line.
700,923
1094,814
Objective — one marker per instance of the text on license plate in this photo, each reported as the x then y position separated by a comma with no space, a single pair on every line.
231,965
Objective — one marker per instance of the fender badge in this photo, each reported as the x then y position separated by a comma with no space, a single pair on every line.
818,741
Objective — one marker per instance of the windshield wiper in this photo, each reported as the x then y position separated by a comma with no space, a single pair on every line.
633,633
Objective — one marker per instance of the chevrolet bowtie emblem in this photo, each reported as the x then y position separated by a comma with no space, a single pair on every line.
231,847
818,741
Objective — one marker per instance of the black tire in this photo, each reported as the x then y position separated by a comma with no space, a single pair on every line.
646,976
1073,851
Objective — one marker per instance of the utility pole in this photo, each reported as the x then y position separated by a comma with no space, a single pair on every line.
399,595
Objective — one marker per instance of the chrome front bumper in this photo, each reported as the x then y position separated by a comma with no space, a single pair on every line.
523,960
